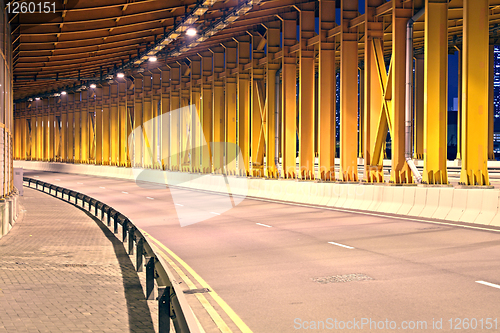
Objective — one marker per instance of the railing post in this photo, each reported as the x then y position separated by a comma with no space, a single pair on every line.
138,255
150,278
115,221
131,233
163,309
108,216
124,231
95,209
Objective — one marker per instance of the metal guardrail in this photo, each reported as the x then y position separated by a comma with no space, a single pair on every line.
172,304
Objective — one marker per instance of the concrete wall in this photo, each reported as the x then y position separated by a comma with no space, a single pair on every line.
478,205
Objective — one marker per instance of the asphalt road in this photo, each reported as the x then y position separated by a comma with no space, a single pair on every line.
278,266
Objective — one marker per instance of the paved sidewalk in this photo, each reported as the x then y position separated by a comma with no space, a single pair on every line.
63,272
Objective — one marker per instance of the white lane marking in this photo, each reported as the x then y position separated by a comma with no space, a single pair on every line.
36,176
214,213
58,179
124,192
101,187
179,205
150,198
489,284
342,245
264,225
80,183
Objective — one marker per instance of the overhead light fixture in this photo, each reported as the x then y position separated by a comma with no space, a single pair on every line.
93,86
63,92
30,99
153,59
191,32
120,75
37,98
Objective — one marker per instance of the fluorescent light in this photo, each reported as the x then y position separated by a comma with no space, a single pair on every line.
63,93
120,75
37,98
92,86
191,32
152,59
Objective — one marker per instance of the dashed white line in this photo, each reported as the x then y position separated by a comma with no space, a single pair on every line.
124,192
57,179
341,245
214,213
264,225
179,205
80,183
36,176
489,284
150,198
101,187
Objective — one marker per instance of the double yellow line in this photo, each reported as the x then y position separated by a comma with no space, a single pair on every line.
168,255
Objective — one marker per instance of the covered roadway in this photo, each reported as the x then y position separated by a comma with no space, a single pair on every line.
280,266
285,94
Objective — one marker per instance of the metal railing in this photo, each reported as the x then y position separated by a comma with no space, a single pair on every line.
172,304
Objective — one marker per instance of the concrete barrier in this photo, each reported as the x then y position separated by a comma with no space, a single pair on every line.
327,195
343,194
408,200
445,203
397,199
431,202
336,190
459,205
377,198
489,207
359,191
367,197
419,203
474,199
386,197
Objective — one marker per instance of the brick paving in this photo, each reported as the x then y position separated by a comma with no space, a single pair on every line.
61,271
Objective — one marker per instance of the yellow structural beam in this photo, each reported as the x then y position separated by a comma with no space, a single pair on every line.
475,93
165,123
231,107
106,113
218,110
272,95
348,93
175,104
373,96
243,78
84,128
288,100
114,137
195,113
77,118
435,91
147,124
206,114
306,92
418,122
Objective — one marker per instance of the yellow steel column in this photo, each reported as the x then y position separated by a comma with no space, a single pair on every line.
46,130
491,79
373,95
70,133
272,66
114,138
138,161
243,105
400,172
348,93
77,115
106,105
459,102
165,122
231,84
64,128
98,126
206,106
195,110
147,124
475,94
289,100
156,118
129,124
52,131
185,120
418,122
175,104
84,128
122,123
257,107
218,110
435,91
306,92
